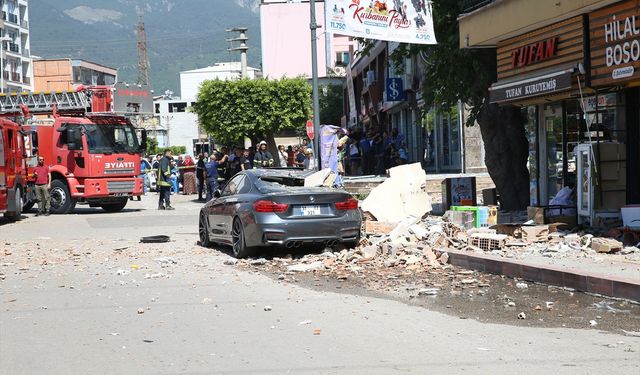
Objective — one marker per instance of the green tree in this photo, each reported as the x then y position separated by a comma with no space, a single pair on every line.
258,109
331,108
152,146
453,74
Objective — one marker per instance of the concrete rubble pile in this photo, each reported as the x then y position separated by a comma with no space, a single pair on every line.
401,235
404,195
507,240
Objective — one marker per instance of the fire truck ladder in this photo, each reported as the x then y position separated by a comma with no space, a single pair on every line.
44,102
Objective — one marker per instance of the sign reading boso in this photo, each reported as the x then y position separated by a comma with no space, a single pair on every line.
615,43
398,21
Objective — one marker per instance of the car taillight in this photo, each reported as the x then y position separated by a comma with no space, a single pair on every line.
349,204
269,206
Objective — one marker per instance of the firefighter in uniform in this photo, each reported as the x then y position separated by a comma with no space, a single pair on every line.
164,181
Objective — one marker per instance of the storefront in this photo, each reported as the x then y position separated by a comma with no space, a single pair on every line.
614,34
578,84
540,72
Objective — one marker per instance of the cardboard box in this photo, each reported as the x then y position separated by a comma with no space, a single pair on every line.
536,214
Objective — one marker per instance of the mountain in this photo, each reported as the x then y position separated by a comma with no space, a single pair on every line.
181,34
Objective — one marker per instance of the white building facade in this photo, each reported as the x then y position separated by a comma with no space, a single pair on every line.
15,51
177,125
191,80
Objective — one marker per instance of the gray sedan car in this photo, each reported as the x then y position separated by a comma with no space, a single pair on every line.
271,207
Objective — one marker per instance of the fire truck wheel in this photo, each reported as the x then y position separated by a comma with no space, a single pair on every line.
115,207
61,201
17,215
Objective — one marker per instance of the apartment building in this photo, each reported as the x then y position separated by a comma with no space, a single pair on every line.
286,42
15,57
64,74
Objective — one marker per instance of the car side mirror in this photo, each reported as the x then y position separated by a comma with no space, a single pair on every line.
143,140
217,193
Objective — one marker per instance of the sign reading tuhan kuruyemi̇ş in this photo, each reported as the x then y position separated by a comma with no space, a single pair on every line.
405,21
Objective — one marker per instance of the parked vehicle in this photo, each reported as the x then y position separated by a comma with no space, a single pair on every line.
150,180
259,208
94,157
15,148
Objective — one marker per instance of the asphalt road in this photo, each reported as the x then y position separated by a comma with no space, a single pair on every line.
79,295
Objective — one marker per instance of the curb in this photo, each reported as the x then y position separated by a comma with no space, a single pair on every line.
584,281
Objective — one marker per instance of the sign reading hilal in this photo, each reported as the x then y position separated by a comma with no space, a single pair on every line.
405,21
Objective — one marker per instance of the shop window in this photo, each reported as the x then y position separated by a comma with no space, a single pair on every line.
555,152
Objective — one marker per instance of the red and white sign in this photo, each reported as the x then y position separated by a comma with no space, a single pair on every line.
310,131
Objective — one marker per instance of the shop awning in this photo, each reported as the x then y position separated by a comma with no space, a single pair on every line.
544,84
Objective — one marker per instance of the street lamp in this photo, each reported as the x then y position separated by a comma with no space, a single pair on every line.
2,40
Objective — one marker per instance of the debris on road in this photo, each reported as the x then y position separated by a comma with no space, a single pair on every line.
268,308
155,239
631,333
522,316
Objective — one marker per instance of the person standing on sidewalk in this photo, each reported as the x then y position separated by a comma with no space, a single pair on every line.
164,181
42,173
200,172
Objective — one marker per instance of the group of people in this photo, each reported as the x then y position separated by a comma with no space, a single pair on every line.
203,175
366,153
374,152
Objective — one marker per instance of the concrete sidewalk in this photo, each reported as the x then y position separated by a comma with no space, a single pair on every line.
611,278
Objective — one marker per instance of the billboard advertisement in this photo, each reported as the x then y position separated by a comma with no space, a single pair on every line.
406,21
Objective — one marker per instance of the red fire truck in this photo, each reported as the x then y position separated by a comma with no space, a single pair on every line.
94,157
13,178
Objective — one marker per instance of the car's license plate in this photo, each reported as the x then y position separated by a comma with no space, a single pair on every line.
310,210
121,194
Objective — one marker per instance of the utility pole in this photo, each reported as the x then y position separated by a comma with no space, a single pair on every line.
143,56
314,84
243,48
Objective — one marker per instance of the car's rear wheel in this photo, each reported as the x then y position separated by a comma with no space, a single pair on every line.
240,249
203,230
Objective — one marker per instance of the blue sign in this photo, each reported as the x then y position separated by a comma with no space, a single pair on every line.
395,90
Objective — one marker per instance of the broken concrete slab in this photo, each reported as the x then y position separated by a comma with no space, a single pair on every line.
402,194
606,245
302,267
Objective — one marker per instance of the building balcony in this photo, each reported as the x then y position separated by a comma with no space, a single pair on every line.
26,53
10,17
24,24
15,77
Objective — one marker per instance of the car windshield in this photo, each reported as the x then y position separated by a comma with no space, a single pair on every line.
111,138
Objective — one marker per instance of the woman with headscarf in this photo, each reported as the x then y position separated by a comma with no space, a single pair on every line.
189,184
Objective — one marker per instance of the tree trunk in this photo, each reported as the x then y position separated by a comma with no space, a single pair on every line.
506,154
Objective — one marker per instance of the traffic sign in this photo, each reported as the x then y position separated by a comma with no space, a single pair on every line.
310,131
